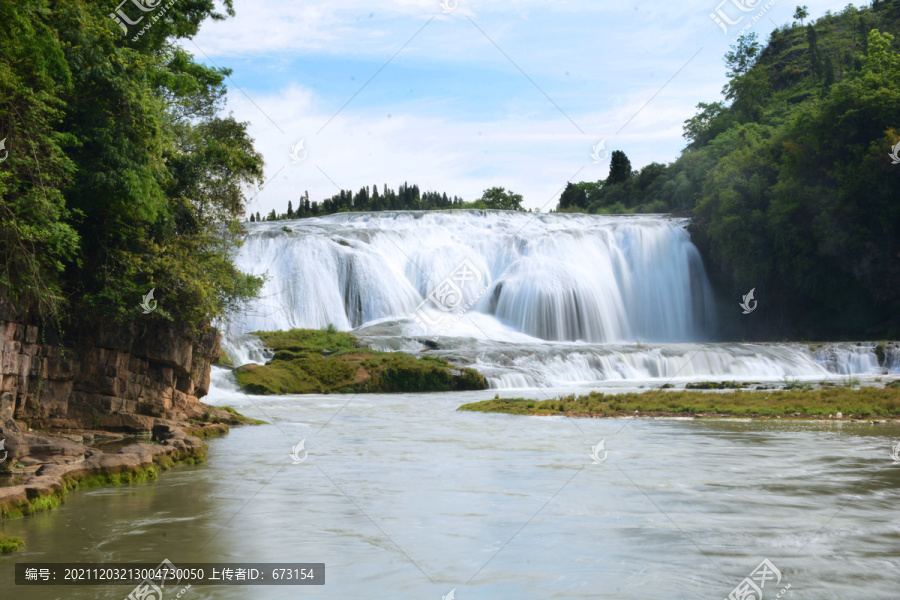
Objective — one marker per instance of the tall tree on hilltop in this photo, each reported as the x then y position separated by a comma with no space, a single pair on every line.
619,168
743,55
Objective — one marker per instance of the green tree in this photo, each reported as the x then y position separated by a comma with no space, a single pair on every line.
576,195
498,198
619,168
801,13
139,182
37,239
743,55
710,120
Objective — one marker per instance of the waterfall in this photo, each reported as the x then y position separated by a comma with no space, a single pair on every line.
550,277
530,300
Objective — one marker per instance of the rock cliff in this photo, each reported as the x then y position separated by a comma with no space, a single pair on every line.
108,376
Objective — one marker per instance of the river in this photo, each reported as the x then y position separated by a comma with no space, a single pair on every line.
403,496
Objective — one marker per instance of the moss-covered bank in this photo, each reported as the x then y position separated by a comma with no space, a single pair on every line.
866,402
310,361
48,487
10,543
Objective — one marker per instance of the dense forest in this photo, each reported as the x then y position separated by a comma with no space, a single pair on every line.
407,197
120,173
789,178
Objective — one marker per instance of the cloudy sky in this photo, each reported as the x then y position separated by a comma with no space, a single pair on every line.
511,93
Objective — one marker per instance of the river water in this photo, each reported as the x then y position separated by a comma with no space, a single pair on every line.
402,496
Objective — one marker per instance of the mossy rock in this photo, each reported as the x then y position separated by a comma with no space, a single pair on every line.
224,360
10,544
308,361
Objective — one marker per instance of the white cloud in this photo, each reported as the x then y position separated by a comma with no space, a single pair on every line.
599,61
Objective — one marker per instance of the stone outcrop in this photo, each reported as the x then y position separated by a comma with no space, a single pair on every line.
110,376
55,464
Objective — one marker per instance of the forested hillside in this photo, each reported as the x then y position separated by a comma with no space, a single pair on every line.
120,172
789,176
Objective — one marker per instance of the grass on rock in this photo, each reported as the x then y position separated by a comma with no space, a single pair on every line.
867,402
312,361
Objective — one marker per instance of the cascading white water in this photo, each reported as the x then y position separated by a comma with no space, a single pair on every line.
531,300
551,277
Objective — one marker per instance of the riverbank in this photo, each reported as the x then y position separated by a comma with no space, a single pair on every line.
312,361
44,466
826,403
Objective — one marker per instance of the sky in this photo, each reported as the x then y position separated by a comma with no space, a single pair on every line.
470,94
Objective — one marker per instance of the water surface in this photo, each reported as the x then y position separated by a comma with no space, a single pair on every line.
404,497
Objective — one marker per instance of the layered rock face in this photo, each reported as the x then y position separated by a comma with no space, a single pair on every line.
112,376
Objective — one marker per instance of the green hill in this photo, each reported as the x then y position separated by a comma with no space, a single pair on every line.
789,177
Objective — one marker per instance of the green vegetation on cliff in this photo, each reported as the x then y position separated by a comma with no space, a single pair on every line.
121,174
863,402
789,177
309,361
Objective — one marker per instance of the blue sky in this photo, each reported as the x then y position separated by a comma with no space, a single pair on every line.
512,93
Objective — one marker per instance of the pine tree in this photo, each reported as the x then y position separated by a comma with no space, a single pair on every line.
252,218
257,218
619,168
290,212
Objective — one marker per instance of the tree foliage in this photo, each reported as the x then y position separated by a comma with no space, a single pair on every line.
789,178
498,198
123,175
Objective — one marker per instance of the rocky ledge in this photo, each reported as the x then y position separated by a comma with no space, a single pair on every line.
63,393
40,468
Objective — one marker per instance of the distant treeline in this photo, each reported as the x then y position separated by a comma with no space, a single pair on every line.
407,197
